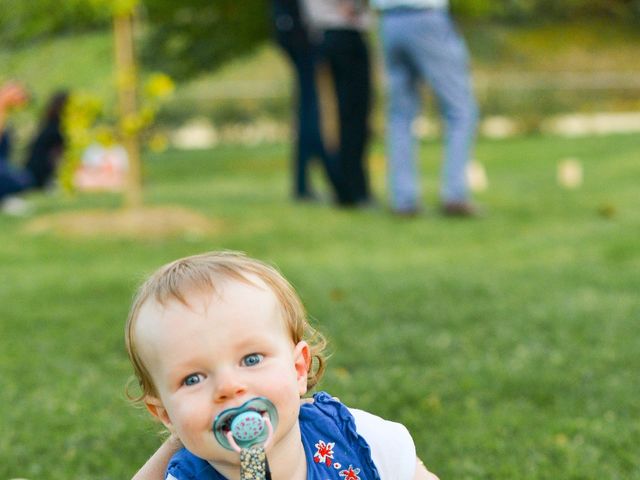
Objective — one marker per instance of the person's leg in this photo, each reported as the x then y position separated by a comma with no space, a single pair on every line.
5,148
14,181
308,142
402,106
349,62
354,115
442,57
306,123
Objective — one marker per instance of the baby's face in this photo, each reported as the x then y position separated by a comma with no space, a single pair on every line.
216,354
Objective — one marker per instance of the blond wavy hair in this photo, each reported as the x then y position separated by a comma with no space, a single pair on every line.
204,273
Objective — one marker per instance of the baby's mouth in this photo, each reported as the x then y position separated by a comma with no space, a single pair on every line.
252,423
223,423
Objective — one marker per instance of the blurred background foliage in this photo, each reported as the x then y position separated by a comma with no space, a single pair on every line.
30,21
185,38
190,36
531,58
195,36
547,10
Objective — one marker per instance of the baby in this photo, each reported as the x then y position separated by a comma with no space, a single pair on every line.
217,336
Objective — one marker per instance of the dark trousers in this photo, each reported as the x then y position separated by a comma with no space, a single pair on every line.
309,143
12,180
5,147
347,55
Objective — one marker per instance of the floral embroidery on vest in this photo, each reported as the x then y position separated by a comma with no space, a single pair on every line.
324,453
350,473
325,456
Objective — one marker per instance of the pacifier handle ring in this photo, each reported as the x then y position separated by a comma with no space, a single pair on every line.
267,420
232,442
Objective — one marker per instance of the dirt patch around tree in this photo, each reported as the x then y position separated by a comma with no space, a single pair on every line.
139,223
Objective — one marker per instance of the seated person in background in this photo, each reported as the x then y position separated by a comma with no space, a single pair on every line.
45,149
223,352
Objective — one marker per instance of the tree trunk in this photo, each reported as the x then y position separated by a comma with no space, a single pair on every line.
127,82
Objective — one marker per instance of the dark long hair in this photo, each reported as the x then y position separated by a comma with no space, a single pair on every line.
53,111
47,145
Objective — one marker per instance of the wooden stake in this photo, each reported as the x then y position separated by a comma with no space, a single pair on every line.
126,77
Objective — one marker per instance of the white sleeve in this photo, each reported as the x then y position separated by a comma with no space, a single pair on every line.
392,448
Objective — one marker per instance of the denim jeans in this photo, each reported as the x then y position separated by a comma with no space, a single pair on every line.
424,45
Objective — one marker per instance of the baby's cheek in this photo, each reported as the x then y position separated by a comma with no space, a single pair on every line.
197,420
187,419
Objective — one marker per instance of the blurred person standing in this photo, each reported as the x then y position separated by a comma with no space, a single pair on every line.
340,26
45,149
292,35
421,42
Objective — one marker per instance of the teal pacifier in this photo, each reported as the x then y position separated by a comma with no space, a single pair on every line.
252,423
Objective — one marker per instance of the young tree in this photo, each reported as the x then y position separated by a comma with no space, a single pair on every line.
127,85
122,13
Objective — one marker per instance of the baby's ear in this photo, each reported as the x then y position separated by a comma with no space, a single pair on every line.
302,363
155,407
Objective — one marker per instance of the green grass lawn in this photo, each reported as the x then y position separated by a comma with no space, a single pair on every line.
508,345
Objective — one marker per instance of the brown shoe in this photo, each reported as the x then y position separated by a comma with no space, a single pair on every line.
460,209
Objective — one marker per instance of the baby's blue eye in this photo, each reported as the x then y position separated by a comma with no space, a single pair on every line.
252,359
192,379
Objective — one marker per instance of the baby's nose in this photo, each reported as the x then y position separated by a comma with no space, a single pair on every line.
228,386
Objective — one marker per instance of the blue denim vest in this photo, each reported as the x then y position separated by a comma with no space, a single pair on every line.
333,448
